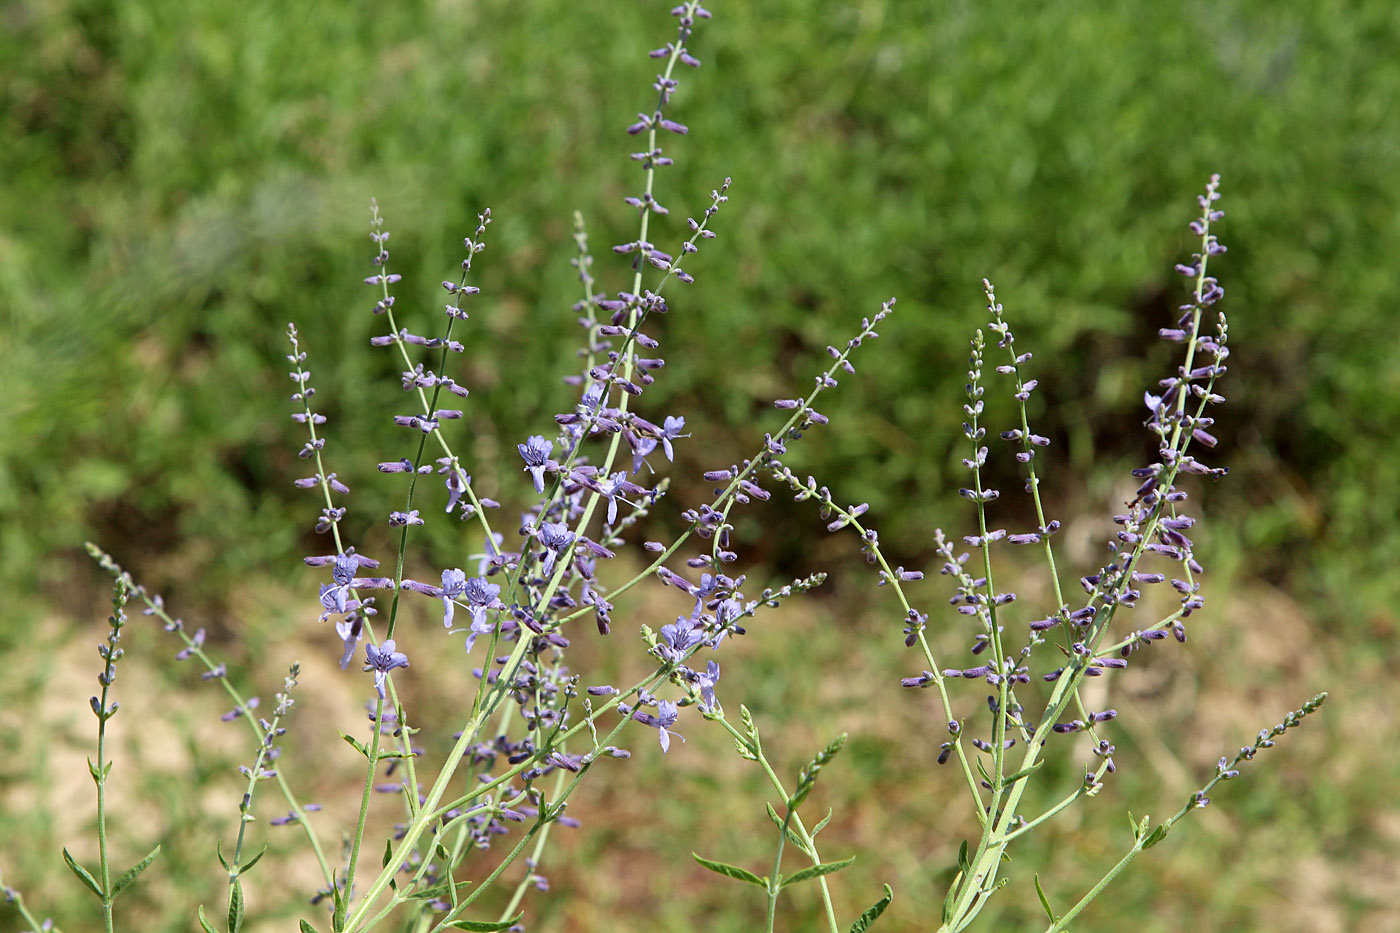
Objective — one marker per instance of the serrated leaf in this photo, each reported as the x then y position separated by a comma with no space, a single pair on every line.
1044,901
1157,835
308,928
204,922
235,907
731,871
82,874
130,874
815,871
873,912
486,926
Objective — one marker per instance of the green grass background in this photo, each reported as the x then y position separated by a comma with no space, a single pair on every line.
180,181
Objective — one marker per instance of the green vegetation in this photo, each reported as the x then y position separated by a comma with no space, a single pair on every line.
181,180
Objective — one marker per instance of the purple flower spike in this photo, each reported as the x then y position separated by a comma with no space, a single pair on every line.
536,451
382,659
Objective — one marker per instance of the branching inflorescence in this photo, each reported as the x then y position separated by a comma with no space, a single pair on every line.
532,728
1080,637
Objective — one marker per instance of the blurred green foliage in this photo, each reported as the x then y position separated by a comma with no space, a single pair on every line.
180,180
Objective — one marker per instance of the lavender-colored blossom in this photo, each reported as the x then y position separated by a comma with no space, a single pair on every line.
679,637
454,584
480,596
382,659
611,487
671,430
350,630
535,452
556,537
707,681
642,446
666,715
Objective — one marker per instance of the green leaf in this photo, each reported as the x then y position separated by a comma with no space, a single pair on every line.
82,874
1139,826
1157,835
791,834
963,863
204,922
952,894
486,926
1013,778
1044,901
873,912
338,909
731,871
219,854
437,890
355,744
308,928
95,771
821,824
252,862
815,871
131,873
235,906
800,797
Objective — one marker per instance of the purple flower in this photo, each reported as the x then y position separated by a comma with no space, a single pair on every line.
671,430
641,447
679,637
454,584
613,486
350,631
666,715
556,537
707,680
535,451
382,659
480,596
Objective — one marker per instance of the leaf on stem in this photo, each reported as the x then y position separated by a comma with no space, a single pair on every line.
82,874
873,912
486,926
815,871
131,873
731,871
1044,901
